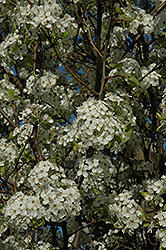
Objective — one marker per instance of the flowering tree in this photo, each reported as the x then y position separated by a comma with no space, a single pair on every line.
83,111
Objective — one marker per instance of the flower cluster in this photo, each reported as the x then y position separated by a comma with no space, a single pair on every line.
127,212
46,14
99,123
154,191
51,93
52,198
8,152
151,79
101,155
8,94
160,23
139,19
23,132
12,49
97,173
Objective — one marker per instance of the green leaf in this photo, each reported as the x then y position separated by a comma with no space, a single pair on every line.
144,215
65,34
164,44
144,194
118,10
36,77
3,169
28,41
116,226
152,59
43,37
26,156
109,144
14,28
29,60
162,41
163,72
11,93
54,54
159,116
75,146
96,190
123,140
133,81
47,146
127,23
145,224
118,66
162,127
129,131
11,135
165,207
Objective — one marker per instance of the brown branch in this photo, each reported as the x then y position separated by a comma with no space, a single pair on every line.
139,35
155,124
81,90
87,73
129,47
78,61
7,118
120,245
11,3
105,52
98,44
35,146
88,35
35,56
65,236
16,81
15,181
91,41
70,149
87,225
17,162
68,69
79,85
160,150
154,68
76,240
159,9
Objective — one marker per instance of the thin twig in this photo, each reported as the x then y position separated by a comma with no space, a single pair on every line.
87,225
68,69
11,3
154,68
105,52
159,9
129,47
70,149
87,73
17,162
90,37
81,90
7,118
82,20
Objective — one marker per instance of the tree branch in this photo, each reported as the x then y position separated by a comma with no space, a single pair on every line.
98,45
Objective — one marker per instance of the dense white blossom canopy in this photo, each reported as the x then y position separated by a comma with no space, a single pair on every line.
82,124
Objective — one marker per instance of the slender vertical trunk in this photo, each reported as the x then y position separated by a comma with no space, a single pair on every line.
98,45
65,236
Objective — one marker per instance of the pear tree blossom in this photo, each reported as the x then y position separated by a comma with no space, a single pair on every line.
82,124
